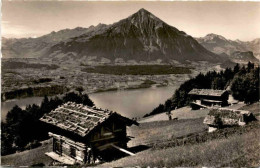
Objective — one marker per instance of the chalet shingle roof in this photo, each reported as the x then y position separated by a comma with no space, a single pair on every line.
80,119
207,92
226,116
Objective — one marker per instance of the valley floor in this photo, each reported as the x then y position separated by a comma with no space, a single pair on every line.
69,77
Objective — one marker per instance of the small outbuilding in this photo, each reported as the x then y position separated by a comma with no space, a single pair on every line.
204,98
83,134
224,117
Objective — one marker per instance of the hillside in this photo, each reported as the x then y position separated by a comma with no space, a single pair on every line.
219,45
174,143
236,149
243,57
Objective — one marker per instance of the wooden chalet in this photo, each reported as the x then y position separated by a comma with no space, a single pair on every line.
204,98
224,117
81,133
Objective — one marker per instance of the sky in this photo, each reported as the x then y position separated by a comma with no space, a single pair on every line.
233,20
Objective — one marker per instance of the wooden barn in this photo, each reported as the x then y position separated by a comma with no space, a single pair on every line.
83,134
203,98
224,117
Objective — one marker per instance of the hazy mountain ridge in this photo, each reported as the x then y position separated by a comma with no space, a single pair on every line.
35,47
219,45
141,37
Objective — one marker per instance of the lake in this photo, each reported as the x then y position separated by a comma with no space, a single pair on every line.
129,103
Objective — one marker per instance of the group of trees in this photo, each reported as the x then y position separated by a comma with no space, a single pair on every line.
22,128
245,85
243,82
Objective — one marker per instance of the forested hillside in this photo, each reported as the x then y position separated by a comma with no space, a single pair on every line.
242,82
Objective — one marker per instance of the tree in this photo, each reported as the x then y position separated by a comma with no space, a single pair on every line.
6,140
168,105
245,87
236,68
250,66
87,101
73,97
79,89
15,115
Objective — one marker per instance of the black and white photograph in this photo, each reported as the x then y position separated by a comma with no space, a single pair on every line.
130,83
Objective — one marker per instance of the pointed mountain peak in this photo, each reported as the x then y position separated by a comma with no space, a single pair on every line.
212,36
142,10
143,14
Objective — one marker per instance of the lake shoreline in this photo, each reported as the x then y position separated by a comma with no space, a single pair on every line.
118,100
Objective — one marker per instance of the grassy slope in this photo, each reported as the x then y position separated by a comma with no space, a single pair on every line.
237,150
180,113
30,157
156,132
254,108
146,134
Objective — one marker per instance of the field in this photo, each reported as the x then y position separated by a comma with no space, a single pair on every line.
190,145
29,157
151,133
20,65
137,69
236,151
254,108
180,113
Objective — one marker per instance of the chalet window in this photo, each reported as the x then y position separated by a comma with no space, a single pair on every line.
106,131
57,146
118,126
96,135
72,152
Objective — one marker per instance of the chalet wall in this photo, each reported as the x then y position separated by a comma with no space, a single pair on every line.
69,147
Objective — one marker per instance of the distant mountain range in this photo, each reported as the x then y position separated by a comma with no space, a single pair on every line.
236,50
140,37
36,47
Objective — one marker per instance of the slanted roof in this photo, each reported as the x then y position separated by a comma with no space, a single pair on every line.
225,116
80,119
207,92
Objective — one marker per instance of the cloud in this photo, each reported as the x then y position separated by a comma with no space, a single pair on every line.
10,30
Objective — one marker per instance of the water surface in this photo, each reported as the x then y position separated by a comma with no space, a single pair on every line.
129,103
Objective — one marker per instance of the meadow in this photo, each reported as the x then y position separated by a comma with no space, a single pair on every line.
236,151
29,157
151,133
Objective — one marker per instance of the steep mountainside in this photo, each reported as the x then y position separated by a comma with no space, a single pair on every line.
140,37
219,44
254,46
34,47
243,57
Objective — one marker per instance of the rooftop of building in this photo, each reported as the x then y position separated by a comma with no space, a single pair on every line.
79,118
207,92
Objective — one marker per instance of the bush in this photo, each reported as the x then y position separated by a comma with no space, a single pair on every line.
33,144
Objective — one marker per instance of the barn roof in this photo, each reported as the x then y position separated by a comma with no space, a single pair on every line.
225,115
207,92
80,119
